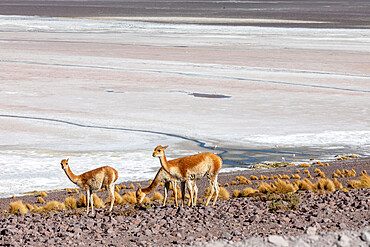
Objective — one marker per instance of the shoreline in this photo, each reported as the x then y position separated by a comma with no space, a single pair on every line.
233,221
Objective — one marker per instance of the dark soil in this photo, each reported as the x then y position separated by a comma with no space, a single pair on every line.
235,219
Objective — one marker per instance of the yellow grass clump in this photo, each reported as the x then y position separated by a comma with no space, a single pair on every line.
43,194
17,208
304,184
296,176
244,180
266,188
237,178
263,177
285,176
317,170
233,183
322,174
351,173
131,186
284,187
76,191
364,182
157,197
82,201
117,188
252,177
247,191
98,203
298,171
335,175
337,184
226,185
129,198
150,182
69,191
236,193
70,203
29,206
54,206
223,194
305,165
161,184
325,184
117,198
40,200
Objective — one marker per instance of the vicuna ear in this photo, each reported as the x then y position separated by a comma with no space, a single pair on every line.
165,147
139,187
67,159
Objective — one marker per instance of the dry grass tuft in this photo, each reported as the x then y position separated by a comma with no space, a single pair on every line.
317,170
131,186
43,194
351,173
123,187
337,184
82,201
157,197
247,191
70,203
69,191
76,191
322,174
223,194
335,175
244,180
325,184
253,177
29,206
298,171
54,206
117,188
365,181
263,177
117,198
284,187
296,176
17,208
98,203
233,183
236,193
129,198
266,188
305,184
285,176
305,165
226,185
40,200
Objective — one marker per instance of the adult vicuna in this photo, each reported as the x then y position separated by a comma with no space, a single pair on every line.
162,176
102,177
191,168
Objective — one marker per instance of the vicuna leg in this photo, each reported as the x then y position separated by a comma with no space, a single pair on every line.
195,194
111,192
166,189
88,200
92,202
211,181
217,189
182,193
190,185
174,188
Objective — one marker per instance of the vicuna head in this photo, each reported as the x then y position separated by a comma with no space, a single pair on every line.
64,164
139,195
159,151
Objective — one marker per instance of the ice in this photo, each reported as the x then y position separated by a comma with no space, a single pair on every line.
108,91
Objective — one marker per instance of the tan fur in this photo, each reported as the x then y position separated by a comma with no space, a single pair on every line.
191,168
102,177
161,176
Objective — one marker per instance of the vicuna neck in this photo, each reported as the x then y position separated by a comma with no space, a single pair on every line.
70,175
164,163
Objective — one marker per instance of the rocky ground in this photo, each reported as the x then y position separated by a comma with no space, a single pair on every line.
304,218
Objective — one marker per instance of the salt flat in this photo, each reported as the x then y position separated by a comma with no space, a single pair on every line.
106,92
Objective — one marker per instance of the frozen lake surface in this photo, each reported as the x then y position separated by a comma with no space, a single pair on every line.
108,91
